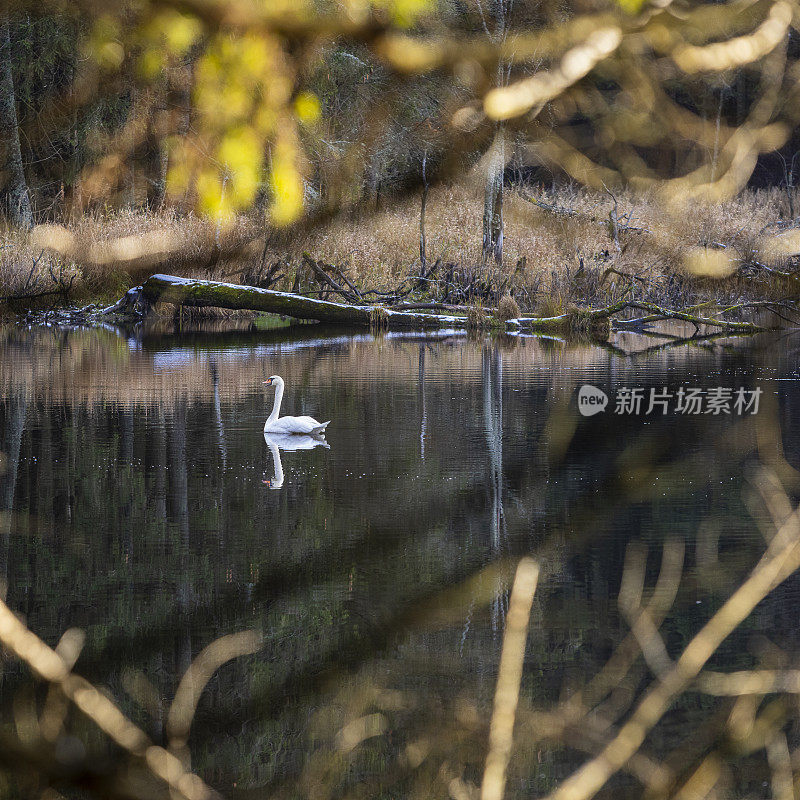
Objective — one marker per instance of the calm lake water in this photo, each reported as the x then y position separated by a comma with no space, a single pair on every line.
143,505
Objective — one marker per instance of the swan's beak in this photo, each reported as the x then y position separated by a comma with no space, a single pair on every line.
268,382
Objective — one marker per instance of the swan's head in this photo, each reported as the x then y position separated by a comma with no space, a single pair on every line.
273,483
272,379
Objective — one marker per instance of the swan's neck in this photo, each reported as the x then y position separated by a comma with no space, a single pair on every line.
277,466
276,406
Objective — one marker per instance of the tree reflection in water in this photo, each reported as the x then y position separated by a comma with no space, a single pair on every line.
378,579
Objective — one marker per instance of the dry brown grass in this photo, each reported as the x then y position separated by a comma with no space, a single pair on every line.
507,309
26,269
555,256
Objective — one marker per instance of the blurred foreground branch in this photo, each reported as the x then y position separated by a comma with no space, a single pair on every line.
152,759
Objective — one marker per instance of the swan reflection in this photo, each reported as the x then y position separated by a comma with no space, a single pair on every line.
289,442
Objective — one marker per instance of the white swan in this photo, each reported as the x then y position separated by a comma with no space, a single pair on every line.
276,424
288,441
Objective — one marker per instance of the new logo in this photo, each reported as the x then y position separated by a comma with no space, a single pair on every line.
591,400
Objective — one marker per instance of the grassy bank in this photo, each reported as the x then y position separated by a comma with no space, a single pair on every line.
561,247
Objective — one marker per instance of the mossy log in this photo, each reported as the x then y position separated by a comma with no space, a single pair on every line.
189,292
593,323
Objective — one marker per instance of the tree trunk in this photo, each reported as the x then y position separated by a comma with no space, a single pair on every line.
493,202
13,176
493,193
422,243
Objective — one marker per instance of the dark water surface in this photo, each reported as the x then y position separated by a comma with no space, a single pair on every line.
138,507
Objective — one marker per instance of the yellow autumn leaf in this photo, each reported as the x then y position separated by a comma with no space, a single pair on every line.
255,56
241,151
631,6
239,147
235,104
405,13
110,55
287,192
307,108
212,196
181,32
151,62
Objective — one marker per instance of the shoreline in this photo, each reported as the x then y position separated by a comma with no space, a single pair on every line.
562,251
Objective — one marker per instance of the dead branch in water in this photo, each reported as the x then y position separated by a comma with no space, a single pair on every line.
658,314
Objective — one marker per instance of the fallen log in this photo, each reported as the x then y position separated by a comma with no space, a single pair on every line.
595,323
432,306
189,292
